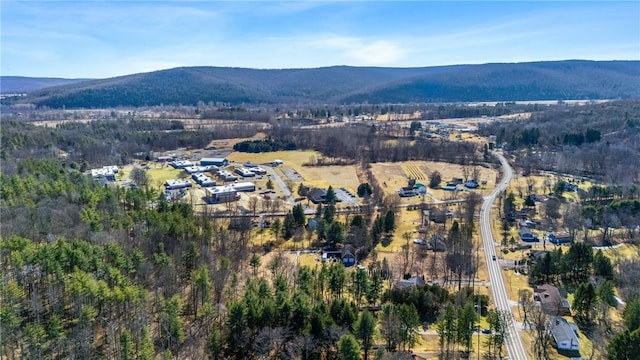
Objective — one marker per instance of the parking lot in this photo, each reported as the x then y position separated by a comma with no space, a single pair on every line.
345,196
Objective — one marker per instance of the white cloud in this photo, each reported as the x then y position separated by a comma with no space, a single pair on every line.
361,51
380,52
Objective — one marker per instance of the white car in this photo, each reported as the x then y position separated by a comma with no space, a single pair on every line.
419,241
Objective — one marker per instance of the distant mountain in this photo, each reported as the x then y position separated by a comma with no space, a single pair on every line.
22,84
571,79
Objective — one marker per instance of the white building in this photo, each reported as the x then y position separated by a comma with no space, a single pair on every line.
222,193
106,172
181,164
177,184
244,186
244,172
226,175
203,180
200,169
563,333
258,170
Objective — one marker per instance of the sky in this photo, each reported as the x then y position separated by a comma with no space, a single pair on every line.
101,39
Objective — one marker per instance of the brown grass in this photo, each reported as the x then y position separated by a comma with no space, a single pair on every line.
393,176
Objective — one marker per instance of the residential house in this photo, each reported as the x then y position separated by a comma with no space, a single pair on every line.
471,184
411,282
437,243
560,238
526,234
552,302
563,333
348,255
437,216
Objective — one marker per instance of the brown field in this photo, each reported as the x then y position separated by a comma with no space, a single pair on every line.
314,176
393,176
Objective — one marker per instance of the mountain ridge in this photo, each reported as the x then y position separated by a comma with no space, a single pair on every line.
543,80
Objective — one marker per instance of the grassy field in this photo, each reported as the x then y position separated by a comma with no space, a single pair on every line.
157,174
393,176
314,176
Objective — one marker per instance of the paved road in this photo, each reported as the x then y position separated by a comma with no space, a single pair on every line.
513,341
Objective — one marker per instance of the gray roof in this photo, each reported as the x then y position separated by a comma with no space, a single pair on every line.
561,330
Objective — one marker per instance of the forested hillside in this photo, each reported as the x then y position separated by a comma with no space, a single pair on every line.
341,84
23,84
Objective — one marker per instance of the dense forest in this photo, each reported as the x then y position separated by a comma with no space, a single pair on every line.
348,85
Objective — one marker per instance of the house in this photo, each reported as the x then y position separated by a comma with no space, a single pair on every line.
551,300
408,192
348,255
471,184
560,238
563,333
436,243
526,234
437,216
537,254
570,187
317,196
173,184
450,187
413,281
106,172
220,162
528,223
457,181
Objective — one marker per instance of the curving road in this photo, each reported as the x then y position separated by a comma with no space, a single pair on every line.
512,341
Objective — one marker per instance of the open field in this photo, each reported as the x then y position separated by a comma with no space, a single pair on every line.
393,176
314,176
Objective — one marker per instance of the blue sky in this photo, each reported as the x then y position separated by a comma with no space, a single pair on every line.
98,39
